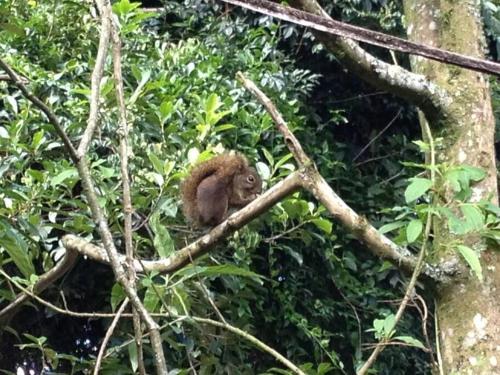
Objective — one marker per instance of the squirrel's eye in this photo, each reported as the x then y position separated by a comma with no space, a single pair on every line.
251,178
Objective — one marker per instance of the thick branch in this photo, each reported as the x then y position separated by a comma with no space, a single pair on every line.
198,248
377,243
312,181
414,88
360,34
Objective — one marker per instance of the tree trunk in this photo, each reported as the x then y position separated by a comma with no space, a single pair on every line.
468,311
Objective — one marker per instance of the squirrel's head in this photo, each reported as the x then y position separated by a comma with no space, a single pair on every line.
247,183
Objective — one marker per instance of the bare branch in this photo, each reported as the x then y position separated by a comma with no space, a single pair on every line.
377,243
360,34
196,249
259,344
123,132
189,319
312,181
292,143
107,336
102,224
418,267
96,78
415,88
6,77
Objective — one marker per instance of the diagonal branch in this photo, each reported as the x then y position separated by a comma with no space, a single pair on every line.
414,88
307,177
344,30
201,246
312,181
96,78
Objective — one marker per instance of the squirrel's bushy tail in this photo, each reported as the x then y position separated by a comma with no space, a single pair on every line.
225,166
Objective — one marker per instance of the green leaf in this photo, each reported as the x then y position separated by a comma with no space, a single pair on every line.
63,176
386,228
410,341
389,324
224,127
132,356
417,188
156,162
324,368
124,7
151,298
162,241
323,224
17,248
474,218
283,160
460,178
213,103
472,259
222,270
413,230
268,156
117,296
166,110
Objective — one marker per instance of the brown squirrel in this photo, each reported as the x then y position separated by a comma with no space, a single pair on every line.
214,186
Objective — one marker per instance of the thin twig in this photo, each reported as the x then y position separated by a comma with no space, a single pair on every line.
376,158
6,77
108,335
207,295
292,143
378,135
438,341
282,234
420,261
424,316
97,74
259,344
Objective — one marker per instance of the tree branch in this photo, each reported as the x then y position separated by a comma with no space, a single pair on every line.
107,336
414,88
200,247
44,281
125,149
96,78
344,30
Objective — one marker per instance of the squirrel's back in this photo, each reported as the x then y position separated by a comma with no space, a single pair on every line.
224,166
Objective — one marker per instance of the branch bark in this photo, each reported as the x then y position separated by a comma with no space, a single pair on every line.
344,30
96,77
415,88
123,132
